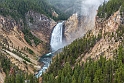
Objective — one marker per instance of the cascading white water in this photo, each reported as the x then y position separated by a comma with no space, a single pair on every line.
56,37
55,43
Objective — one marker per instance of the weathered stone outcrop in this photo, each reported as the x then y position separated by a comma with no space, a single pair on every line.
40,25
9,27
76,26
54,14
2,76
108,43
8,24
71,27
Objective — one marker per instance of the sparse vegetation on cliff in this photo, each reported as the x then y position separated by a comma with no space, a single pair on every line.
29,37
13,74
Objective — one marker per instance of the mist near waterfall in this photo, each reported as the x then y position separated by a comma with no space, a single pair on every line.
88,6
86,11
89,9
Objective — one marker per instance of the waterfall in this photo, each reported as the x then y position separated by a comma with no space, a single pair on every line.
56,37
55,43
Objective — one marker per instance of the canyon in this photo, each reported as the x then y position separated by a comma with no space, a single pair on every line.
32,47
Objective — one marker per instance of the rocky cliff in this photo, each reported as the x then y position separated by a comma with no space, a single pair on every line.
109,42
76,26
40,25
71,27
14,46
